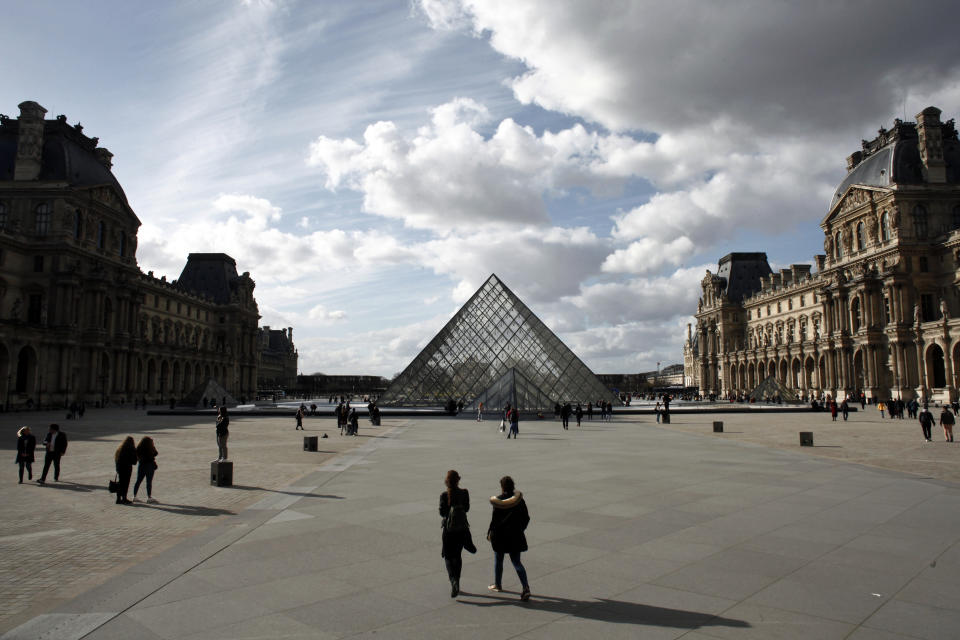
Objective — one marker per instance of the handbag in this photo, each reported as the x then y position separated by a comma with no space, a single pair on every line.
113,486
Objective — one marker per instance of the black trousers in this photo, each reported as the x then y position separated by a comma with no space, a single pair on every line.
926,430
123,472
48,458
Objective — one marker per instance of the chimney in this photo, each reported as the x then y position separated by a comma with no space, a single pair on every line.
854,159
689,333
820,260
786,277
29,141
775,281
104,157
290,333
930,141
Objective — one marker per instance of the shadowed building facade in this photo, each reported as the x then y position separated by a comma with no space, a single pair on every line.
879,314
79,320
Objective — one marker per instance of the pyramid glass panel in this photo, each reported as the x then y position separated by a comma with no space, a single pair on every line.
496,348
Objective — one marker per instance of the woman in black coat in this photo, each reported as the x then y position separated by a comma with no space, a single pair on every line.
507,524
125,457
455,536
26,443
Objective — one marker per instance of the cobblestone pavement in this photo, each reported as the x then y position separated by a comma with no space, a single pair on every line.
61,539
865,438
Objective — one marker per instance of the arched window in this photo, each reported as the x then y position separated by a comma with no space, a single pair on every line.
101,234
838,240
855,314
77,225
920,221
956,216
43,219
885,227
3,216
861,239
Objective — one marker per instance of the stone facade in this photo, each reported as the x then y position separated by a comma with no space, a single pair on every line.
79,320
277,368
880,313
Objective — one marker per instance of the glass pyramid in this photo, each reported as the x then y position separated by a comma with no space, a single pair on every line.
770,389
496,348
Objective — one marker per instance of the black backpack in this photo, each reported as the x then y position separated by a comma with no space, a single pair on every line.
456,520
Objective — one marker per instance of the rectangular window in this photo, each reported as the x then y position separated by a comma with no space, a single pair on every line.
38,264
790,303
926,307
886,308
156,302
168,305
803,300
924,264
34,308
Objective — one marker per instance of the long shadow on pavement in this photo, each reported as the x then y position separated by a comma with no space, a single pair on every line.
616,611
289,493
185,509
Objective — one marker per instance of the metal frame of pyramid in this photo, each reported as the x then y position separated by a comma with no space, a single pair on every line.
492,334
770,388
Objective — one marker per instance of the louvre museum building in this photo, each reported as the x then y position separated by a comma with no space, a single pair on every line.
879,314
79,320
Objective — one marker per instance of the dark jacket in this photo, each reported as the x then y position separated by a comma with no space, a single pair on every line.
453,540
127,458
147,456
25,446
59,443
223,422
507,527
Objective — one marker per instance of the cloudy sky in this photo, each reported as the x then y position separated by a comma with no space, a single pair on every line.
372,162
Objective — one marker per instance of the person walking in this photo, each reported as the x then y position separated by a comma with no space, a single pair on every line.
146,465
880,408
55,444
514,415
26,444
833,410
845,409
926,423
946,421
454,529
579,414
656,410
590,411
354,422
508,522
124,458
480,412
300,419
565,415
223,433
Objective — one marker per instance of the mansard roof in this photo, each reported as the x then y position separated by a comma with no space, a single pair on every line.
743,272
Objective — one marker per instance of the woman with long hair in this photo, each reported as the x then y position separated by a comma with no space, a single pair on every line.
507,524
147,457
124,458
455,536
26,444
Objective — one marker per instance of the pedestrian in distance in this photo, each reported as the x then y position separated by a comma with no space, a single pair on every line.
508,522
480,412
833,410
579,414
514,423
845,410
146,466
565,415
223,433
590,411
300,419
454,529
124,458
926,423
55,446
947,422
880,408
26,444
354,423
656,410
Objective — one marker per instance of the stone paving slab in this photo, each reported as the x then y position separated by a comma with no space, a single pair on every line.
637,530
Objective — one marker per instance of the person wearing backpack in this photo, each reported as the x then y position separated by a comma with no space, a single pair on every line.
55,445
455,529
507,524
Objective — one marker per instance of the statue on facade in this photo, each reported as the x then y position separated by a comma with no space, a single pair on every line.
828,245
917,316
15,309
944,312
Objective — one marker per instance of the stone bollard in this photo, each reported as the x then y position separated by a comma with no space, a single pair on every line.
221,473
310,443
806,438
717,427
665,418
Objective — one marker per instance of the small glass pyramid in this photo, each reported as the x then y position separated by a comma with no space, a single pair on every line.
495,350
770,389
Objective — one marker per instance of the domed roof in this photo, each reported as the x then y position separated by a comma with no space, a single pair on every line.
893,157
68,156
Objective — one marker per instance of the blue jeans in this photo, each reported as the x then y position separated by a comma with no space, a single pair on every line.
498,568
144,472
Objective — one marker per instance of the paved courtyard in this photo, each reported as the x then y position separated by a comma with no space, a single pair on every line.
638,530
